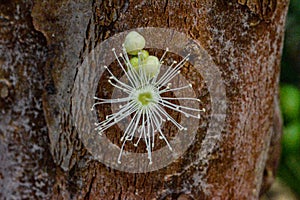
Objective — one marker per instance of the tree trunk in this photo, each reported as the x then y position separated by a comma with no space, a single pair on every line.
43,45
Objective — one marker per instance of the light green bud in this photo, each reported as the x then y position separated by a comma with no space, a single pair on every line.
144,54
134,42
134,61
151,66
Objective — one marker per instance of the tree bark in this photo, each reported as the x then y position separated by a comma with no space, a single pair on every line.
42,43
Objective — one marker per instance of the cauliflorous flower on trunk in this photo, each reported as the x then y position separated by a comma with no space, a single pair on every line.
144,102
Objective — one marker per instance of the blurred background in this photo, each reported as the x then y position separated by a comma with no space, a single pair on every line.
287,186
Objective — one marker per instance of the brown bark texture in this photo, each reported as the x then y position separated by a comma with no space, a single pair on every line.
42,43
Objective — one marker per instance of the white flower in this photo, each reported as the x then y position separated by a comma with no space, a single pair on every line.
143,101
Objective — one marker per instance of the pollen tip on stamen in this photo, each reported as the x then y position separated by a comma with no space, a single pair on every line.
119,162
113,49
167,49
190,85
185,129
150,163
105,66
178,72
198,116
135,144
92,109
203,109
174,61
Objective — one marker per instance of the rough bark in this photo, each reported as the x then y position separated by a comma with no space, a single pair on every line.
26,165
42,155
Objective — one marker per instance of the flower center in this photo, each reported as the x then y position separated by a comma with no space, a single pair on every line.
145,98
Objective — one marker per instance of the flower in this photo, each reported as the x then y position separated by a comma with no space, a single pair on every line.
143,100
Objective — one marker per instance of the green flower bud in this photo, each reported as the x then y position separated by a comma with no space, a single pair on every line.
151,65
144,54
134,42
134,61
